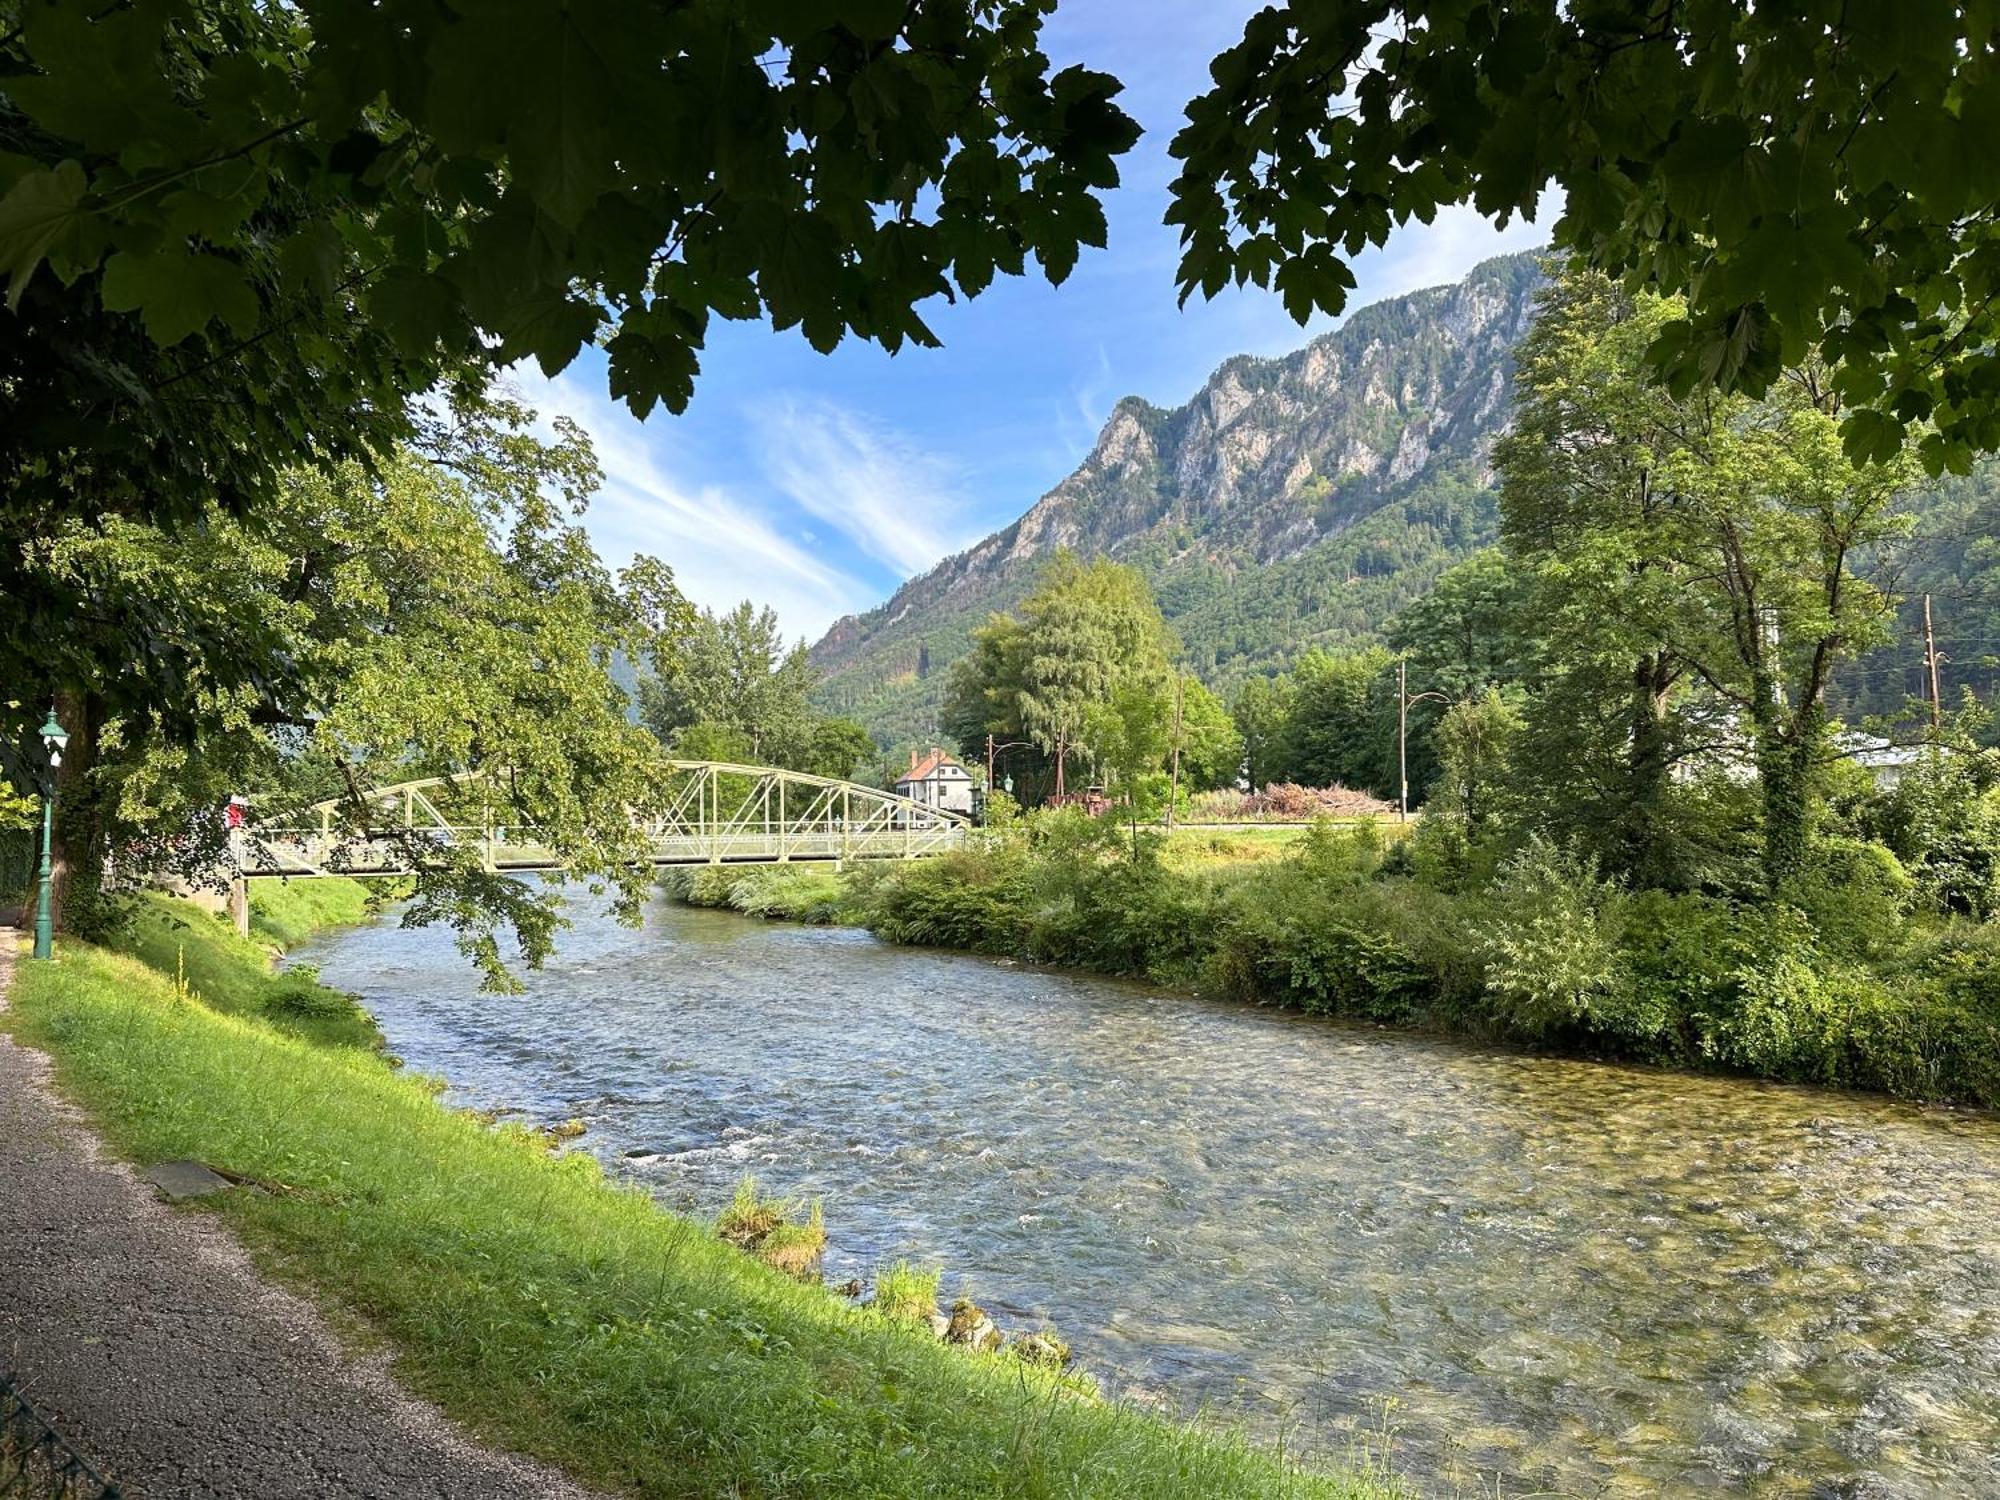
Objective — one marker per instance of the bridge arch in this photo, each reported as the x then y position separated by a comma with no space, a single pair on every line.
715,812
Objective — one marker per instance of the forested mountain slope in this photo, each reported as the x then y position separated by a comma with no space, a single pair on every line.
1292,502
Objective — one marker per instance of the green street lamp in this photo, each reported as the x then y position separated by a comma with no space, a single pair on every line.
54,737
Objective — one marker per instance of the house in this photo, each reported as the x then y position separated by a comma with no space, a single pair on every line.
1883,759
937,780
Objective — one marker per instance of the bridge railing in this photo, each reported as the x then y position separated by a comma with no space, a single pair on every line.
710,813
309,851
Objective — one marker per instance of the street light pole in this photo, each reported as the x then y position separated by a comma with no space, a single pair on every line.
991,748
1402,741
1403,702
53,739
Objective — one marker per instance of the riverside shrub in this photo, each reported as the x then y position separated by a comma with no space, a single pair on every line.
1550,942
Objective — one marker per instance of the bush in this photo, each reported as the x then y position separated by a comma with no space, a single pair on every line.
1943,821
975,901
771,1230
1325,942
1549,941
1855,895
296,992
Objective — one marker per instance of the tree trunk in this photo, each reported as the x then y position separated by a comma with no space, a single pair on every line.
1785,758
80,843
1648,766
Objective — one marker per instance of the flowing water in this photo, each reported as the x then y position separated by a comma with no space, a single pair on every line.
1577,1278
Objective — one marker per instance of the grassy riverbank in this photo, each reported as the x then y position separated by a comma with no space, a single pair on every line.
551,1310
1842,980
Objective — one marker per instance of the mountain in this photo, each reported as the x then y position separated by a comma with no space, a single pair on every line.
1292,502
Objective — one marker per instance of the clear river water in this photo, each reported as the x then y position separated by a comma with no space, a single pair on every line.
1531,1275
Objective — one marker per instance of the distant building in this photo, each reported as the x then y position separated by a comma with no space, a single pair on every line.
937,780
1886,761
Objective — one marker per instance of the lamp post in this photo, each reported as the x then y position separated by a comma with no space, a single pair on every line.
54,737
1403,702
991,748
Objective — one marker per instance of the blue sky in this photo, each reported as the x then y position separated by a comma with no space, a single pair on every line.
818,483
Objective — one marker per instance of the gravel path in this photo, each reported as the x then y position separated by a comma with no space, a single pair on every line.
145,1336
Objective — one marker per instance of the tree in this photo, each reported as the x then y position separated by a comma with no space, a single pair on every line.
1472,630
1476,742
1584,511
735,671
1703,547
738,693
1088,631
1342,725
1262,709
1049,674
1131,735
1816,180
838,747
443,616
1202,730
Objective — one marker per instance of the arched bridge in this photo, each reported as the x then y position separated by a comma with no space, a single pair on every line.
715,813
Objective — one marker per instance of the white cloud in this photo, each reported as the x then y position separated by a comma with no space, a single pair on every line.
722,547
897,503
1459,238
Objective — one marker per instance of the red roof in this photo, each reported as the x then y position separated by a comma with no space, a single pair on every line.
926,767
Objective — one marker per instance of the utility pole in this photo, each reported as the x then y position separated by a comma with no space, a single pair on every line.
1174,796
1931,663
1402,741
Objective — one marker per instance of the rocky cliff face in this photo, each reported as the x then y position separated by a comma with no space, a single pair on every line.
1293,501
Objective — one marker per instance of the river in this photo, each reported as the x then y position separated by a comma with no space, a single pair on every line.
1583,1279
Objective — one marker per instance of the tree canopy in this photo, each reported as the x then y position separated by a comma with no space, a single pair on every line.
736,692
238,236
441,615
1813,179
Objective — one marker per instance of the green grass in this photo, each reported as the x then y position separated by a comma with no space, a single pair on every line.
202,953
286,912
908,1293
556,1312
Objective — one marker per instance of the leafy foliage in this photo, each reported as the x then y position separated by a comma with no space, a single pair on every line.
1813,178
218,171
282,659
737,692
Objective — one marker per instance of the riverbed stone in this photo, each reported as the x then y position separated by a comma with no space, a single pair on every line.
178,1181
969,1325
1043,1349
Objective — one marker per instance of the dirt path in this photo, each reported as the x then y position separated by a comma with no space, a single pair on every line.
146,1337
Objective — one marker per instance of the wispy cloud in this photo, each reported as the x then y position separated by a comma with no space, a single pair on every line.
1421,255
896,502
721,546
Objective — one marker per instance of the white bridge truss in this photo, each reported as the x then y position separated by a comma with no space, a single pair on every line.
716,813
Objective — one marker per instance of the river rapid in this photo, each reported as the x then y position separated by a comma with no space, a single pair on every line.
1581,1279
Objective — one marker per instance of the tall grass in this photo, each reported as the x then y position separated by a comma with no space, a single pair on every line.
557,1312
232,974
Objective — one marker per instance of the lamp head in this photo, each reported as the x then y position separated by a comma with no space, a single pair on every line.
54,738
